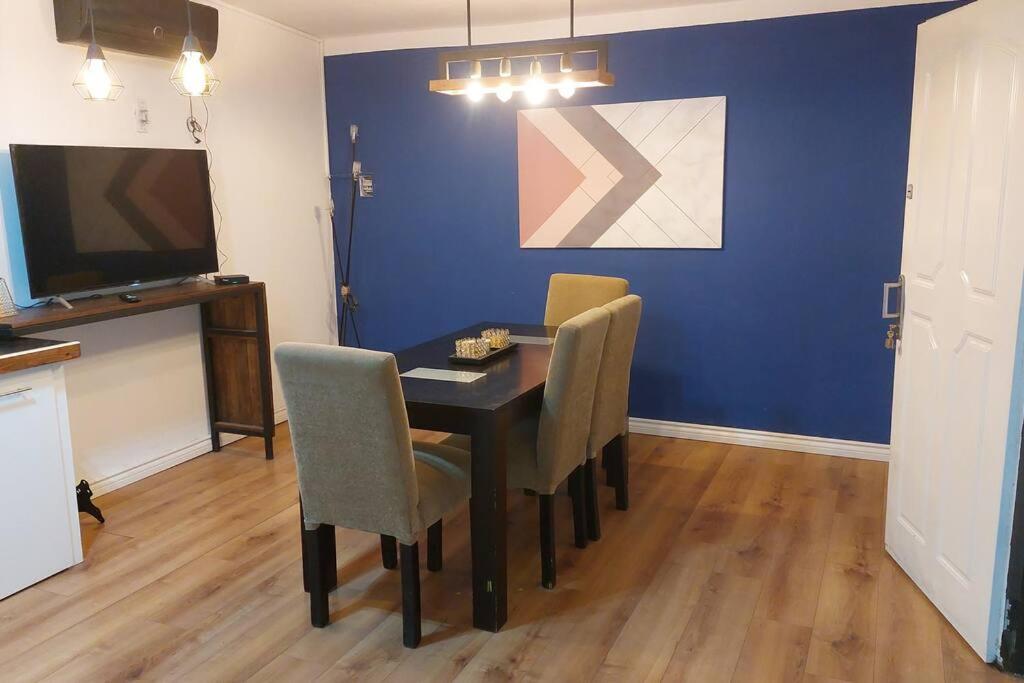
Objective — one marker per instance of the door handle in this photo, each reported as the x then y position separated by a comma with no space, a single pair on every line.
16,392
895,332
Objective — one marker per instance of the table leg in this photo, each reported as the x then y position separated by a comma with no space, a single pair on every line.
487,522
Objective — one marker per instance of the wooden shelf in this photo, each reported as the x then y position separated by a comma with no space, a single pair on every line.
110,307
236,345
22,354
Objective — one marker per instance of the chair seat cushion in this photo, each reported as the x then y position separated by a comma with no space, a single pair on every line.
443,475
522,454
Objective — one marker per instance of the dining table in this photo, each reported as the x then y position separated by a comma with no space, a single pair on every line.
511,389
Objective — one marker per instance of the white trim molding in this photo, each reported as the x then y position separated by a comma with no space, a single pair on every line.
169,460
726,11
751,437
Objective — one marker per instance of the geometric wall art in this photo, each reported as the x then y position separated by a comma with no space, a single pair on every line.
639,175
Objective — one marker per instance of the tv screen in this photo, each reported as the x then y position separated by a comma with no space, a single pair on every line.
95,217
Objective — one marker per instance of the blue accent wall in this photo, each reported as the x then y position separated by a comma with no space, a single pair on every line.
778,331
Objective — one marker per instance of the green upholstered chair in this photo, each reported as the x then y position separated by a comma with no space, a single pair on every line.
359,468
570,295
609,426
547,449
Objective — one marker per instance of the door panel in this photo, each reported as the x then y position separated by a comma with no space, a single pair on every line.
963,258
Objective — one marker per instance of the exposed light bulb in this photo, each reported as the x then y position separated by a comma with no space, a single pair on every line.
97,80
193,75
567,88
536,89
504,91
474,91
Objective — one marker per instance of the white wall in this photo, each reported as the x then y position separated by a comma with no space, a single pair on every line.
137,401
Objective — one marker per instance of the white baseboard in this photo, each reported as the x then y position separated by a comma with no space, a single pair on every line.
757,439
159,464
167,461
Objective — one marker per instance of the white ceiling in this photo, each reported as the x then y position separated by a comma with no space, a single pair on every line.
331,18
350,18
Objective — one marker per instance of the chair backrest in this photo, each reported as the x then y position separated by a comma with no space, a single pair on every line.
611,400
569,395
350,432
570,295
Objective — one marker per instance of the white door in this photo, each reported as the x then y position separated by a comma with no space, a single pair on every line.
955,437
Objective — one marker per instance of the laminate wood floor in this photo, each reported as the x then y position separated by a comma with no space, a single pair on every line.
734,564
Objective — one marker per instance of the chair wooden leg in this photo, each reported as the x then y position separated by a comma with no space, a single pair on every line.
410,594
608,462
329,554
389,552
547,540
319,602
434,547
590,494
620,446
577,492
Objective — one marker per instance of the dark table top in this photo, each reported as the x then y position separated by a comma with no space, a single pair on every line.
509,377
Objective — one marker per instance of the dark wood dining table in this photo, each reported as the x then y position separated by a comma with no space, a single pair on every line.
512,388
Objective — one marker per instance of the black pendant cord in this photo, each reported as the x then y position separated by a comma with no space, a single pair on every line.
572,18
469,23
349,303
92,23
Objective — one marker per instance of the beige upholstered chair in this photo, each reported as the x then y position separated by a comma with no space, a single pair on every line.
548,449
570,295
609,426
359,468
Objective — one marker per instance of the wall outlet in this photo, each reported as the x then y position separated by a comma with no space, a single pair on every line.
141,117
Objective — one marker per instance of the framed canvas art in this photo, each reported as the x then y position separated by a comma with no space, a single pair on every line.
638,175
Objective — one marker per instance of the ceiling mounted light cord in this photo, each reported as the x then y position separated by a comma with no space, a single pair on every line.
469,23
572,18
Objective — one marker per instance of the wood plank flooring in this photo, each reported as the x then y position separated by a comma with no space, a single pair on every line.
733,564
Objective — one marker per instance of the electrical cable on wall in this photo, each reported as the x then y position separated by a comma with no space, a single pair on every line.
200,135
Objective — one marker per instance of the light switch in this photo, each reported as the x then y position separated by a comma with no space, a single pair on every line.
141,117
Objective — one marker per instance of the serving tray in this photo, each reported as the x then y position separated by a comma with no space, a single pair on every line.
485,359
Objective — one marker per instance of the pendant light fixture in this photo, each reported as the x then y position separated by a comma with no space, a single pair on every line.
192,75
581,64
97,81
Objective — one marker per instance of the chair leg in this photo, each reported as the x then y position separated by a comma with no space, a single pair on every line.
389,552
410,594
547,540
608,462
319,603
590,493
620,446
578,494
434,547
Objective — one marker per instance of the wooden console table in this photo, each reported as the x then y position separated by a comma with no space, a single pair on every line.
236,345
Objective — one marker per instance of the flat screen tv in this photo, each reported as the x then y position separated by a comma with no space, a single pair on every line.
94,217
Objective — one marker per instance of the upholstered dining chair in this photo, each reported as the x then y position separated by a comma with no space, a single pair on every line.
570,295
609,426
358,467
545,450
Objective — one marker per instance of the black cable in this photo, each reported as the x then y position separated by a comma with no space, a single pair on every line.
469,23
572,18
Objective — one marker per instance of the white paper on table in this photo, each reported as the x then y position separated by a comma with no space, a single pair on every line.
444,375
545,341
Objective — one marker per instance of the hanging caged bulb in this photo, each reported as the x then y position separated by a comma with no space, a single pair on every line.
192,75
96,80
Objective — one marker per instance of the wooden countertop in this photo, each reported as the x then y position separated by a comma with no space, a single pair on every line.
24,353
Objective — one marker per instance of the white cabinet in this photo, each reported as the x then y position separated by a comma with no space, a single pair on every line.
39,530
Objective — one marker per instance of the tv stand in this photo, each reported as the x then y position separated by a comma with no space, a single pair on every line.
62,301
235,337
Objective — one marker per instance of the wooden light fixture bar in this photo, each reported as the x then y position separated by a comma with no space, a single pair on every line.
588,78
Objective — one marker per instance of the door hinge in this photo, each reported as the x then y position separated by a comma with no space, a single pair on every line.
910,191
